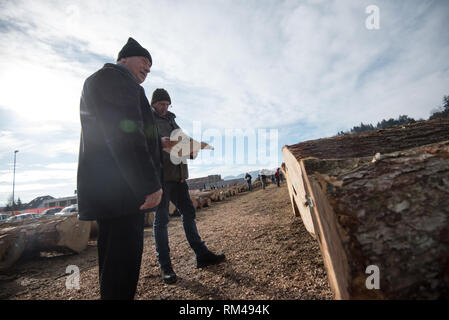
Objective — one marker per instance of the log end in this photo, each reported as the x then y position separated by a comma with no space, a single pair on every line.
73,233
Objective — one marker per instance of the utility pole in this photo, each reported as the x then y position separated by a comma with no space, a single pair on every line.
14,181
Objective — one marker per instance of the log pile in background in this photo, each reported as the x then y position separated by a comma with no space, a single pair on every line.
378,198
206,198
59,233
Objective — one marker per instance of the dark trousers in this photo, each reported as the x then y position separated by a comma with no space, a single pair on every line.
178,193
120,246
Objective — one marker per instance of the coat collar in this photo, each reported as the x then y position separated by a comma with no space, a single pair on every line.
168,116
122,68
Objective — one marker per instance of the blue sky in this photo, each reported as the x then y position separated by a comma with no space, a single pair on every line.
307,69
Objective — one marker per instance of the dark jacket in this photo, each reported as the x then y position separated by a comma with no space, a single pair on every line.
172,172
120,152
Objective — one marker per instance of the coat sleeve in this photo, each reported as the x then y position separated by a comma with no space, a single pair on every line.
118,113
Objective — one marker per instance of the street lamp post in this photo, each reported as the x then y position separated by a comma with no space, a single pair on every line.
14,181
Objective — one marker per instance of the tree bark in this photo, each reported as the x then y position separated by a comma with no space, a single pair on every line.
371,142
366,144
389,210
46,234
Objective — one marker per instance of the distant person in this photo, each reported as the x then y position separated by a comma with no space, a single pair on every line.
248,180
263,178
175,190
119,166
278,177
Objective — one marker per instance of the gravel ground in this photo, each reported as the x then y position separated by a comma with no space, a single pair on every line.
269,255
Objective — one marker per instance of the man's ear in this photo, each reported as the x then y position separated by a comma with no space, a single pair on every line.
123,60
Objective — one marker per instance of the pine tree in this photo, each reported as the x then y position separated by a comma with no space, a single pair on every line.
443,111
9,204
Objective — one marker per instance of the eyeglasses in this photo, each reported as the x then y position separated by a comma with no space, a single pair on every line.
164,105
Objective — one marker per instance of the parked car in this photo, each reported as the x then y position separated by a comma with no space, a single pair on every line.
50,212
3,217
23,216
67,210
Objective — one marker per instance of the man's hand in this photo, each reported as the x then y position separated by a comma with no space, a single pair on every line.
193,154
152,200
167,143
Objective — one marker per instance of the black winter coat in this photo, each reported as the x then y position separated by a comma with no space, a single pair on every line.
120,151
172,172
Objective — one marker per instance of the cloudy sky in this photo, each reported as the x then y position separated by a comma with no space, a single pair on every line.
304,69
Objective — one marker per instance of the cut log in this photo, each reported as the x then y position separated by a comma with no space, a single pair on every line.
196,202
389,210
205,202
257,184
221,196
149,218
171,208
371,142
46,234
205,193
366,144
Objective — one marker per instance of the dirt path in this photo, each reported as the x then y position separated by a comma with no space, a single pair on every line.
269,254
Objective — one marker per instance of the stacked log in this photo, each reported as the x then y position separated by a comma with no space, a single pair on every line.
93,229
59,233
377,201
149,218
219,196
205,202
212,195
171,208
257,184
196,201
205,198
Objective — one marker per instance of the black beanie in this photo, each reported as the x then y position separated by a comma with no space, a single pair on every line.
133,49
160,95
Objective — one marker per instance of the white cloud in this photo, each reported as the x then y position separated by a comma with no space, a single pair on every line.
56,179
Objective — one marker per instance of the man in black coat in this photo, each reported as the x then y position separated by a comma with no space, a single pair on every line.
119,167
248,180
176,190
